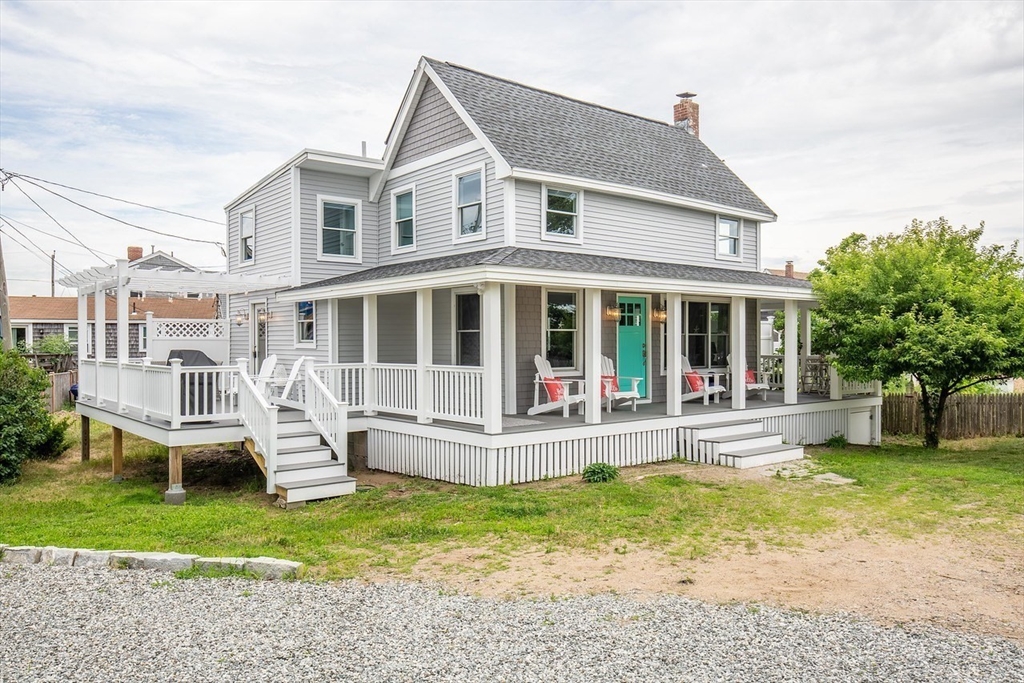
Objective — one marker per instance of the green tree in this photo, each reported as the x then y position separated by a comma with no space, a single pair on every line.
929,302
27,430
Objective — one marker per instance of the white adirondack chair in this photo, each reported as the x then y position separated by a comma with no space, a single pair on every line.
612,391
754,385
703,389
557,391
286,388
266,373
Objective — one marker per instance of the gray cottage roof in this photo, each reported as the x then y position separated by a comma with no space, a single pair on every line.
518,257
544,131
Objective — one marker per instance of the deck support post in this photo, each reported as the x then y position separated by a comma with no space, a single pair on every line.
122,334
674,355
738,350
86,443
116,454
490,355
175,494
790,359
370,353
424,354
508,293
592,354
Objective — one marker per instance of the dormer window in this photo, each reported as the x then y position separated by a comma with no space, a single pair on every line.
561,214
728,238
469,206
247,235
403,210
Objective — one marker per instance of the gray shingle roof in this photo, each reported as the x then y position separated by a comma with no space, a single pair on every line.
159,262
543,131
517,257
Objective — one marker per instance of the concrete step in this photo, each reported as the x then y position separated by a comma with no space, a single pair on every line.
286,474
300,440
762,455
315,489
710,450
693,434
292,456
295,427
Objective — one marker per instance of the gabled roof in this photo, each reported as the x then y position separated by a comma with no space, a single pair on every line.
42,308
159,260
541,131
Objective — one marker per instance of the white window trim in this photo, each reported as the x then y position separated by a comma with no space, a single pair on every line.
577,367
395,249
685,315
242,263
455,321
739,240
357,256
144,336
295,327
458,238
549,237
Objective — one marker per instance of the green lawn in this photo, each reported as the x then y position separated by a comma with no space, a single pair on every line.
974,488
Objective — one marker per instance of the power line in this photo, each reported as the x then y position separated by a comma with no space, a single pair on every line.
50,234
116,199
11,238
59,224
113,218
41,250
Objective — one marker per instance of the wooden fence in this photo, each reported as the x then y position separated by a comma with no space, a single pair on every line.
965,416
60,389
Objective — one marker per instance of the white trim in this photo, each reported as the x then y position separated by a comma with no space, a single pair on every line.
332,330
409,248
577,367
648,380
576,238
435,159
639,193
508,304
719,256
296,342
509,208
457,237
296,226
242,211
757,238
410,99
357,247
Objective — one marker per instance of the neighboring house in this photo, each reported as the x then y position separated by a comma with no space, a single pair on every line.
506,222
162,261
788,271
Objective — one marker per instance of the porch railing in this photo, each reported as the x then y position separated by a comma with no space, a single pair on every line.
260,417
456,393
394,387
326,412
815,376
346,381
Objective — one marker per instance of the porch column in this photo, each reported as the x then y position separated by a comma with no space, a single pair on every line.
424,354
175,494
490,355
83,333
790,362
99,350
738,350
805,332
122,334
592,353
369,353
674,354
508,295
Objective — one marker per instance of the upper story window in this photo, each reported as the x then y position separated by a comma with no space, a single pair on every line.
469,206
728,237
403,211
339,235
305,323
561,214
246,235
561,325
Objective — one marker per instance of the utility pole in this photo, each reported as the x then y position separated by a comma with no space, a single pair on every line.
5,308
53,261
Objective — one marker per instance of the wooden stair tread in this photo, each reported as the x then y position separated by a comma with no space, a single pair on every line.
302,449
314,464
740,437
309,483
762,450
713,425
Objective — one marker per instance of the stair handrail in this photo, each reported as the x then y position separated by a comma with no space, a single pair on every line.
327,413
260,418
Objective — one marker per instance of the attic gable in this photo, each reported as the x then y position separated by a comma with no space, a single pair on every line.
433,127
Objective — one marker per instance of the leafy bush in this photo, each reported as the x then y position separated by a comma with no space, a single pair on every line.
27,430
599,472
53,343
837,441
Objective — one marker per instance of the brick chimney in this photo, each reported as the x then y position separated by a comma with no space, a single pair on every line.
134,253
686,113
789,269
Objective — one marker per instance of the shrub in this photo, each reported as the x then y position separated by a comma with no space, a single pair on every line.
837,441
599,472
27,430
54,344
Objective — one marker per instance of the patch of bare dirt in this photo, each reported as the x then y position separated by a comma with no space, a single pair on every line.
977,587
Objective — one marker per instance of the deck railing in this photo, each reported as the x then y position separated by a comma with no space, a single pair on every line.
326,412
394,387
456,393
346,381
816,376
260,417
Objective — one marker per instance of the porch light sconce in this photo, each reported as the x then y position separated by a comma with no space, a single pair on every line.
263,316
659,315
612,312
241,317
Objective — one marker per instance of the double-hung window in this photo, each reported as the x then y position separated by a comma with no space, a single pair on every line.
339,235
561,214
561,325
72,337
469,206
705,335
728,237
403,210
305,323
467,329
247,235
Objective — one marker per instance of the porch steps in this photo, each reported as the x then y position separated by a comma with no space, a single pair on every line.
740,443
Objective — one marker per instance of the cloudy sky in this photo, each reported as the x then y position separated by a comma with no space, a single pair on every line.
842,117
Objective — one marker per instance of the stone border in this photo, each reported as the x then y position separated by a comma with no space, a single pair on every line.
263,567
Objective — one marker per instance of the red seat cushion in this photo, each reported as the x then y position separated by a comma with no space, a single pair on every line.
751,377
555,388
608,381
695,381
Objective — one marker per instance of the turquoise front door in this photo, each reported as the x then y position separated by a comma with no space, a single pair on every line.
632,361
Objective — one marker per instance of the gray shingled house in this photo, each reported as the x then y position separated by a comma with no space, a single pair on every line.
525,283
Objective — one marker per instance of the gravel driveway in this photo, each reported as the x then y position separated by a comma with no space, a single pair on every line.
74,624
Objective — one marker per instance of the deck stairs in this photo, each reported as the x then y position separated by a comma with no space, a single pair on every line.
740,443
306,469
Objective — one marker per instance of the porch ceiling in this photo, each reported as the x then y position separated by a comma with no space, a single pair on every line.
556,268
181,280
